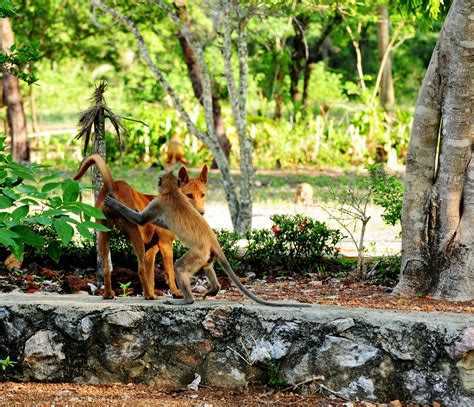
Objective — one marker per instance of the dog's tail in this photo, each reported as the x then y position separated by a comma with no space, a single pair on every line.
103,169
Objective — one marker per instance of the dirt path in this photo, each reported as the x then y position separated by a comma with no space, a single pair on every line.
69,394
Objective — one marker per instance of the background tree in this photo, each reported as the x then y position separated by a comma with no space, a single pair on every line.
13,100
234,19
438,206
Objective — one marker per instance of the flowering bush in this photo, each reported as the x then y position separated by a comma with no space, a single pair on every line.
294,243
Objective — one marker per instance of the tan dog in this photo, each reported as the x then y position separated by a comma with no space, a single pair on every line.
146,240
304,194
175,152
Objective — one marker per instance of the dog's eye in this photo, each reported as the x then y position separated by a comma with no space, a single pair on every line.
203,195
190,196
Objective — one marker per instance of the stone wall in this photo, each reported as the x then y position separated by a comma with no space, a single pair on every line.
363,354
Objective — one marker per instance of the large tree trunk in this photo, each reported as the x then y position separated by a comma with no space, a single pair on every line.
13,100
387,94
438,206
196,80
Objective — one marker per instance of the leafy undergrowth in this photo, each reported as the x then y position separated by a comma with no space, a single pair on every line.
314,290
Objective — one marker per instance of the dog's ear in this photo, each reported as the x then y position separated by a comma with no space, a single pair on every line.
203,174
179,182
183,175
160,180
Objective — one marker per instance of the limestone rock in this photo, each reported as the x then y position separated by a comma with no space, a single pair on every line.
127,319
343,353
466,372
466,344
216,321
44,356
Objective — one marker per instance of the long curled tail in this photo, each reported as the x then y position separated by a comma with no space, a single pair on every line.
228,270
103,169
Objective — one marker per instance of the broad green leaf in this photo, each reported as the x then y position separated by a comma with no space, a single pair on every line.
55,201
5,202
91,211
20,212
64,230
22,172
10,194
6,239
28,236
70,190
28,201
41,220
54,250
97,226
52,212
49,177
84,231
50,186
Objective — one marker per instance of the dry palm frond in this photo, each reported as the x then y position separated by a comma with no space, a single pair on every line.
88,118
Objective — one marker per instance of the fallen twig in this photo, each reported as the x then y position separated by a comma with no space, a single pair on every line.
296,385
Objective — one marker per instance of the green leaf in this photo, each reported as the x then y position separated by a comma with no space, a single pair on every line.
28,201
5,202
89,210
49,177
64,230
52,212
50,186
28,236
6,239
96,226
84,231
21,212
10,194
54,250
70,190
41,220
55,201
22,172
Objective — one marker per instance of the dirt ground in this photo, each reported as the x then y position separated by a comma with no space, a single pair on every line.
72,395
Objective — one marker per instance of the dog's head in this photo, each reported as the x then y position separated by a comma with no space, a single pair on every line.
194,188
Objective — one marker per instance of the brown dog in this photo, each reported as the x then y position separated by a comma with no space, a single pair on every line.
175,152
146,240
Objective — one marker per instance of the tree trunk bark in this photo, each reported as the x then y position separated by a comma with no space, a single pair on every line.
195,76
387,94
438,204
14,101
34,118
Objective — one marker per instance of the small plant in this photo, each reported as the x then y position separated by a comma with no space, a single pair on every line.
273,373
125,289
6,363
388,193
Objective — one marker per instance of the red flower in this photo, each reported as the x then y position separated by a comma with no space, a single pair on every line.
303,225
276,229
337,249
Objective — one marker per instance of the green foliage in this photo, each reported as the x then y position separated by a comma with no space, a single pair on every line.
385,270
6,363
124,288
294,244
25,189
388,193
19,61
273,374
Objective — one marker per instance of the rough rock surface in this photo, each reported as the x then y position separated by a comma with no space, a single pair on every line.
363,354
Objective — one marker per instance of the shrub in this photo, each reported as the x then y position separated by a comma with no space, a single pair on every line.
294,243
23,190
